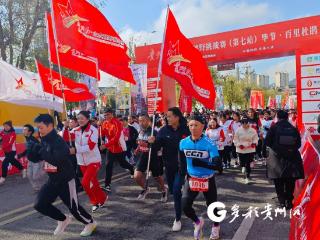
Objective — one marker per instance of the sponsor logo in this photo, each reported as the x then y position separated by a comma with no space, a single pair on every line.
314,93
196,154
309,83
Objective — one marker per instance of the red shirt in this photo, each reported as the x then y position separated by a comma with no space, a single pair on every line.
8,141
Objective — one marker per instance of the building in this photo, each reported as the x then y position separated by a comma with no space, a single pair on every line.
282,80
259,80
262,81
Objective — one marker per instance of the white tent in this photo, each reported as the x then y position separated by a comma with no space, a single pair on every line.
25,88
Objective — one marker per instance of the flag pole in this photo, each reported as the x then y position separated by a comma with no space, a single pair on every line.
59,67
50,63
156,98
98,108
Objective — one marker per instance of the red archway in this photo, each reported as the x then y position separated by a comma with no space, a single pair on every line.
293,37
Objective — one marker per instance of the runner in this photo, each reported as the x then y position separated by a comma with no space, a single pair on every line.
8,136
202,159
246,140
35,172
68,136
89,159
115,143
216,134
225,124
235,124
266,125
130,136
168,139
142,154
61,182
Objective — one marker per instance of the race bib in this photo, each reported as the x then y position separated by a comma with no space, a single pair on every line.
50,168
199,184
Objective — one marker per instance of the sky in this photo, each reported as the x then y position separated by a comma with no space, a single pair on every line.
143,20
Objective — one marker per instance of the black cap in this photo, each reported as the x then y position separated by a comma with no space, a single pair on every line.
244,120
198,118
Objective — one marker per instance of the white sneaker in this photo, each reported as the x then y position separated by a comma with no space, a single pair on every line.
215,233
89,229
62,225
176,227
197,233
143,194
24,173
164,196
2,180
243,170
246,181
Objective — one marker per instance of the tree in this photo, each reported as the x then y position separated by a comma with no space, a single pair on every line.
20,22
232,91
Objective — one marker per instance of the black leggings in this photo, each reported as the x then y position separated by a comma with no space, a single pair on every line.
121,158
227,154
68,194
245,160
10,158
189,196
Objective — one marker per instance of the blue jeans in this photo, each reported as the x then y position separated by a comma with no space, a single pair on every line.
175,183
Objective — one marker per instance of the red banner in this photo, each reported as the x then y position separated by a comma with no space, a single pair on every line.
152,94
69,57
73,91
185,102
305,224
184,63
82,26
265,41
256,99
272,102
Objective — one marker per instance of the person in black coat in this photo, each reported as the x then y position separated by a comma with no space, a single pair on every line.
284,164
61,183
35,172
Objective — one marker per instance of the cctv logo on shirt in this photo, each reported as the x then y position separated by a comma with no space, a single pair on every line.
196,154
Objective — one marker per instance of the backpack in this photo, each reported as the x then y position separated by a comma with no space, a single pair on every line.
286,138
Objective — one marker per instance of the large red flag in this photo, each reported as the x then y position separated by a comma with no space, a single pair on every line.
83,27
73,91
184,63
69,57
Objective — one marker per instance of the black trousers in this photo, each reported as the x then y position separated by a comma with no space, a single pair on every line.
68,194
189,196
76,169
227,154
264,149
284,188
120,157
245,160
10,158
259,149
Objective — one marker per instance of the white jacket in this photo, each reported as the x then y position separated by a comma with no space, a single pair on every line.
87,145
245,137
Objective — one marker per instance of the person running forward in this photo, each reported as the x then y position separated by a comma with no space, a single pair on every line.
202,158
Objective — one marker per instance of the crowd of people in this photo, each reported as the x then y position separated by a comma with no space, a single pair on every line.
183,152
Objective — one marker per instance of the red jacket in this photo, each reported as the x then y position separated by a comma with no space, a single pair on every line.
112,130
8,141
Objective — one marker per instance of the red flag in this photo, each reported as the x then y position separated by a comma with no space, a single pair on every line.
83,27
73,91
70,57
183,62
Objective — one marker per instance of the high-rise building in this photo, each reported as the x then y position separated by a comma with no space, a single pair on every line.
282,80
262,81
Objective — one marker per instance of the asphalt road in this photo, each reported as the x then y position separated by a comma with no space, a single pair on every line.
124,217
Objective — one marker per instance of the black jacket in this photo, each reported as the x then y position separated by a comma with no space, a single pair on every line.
169,139
30,142
283,162
133,135
54,150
